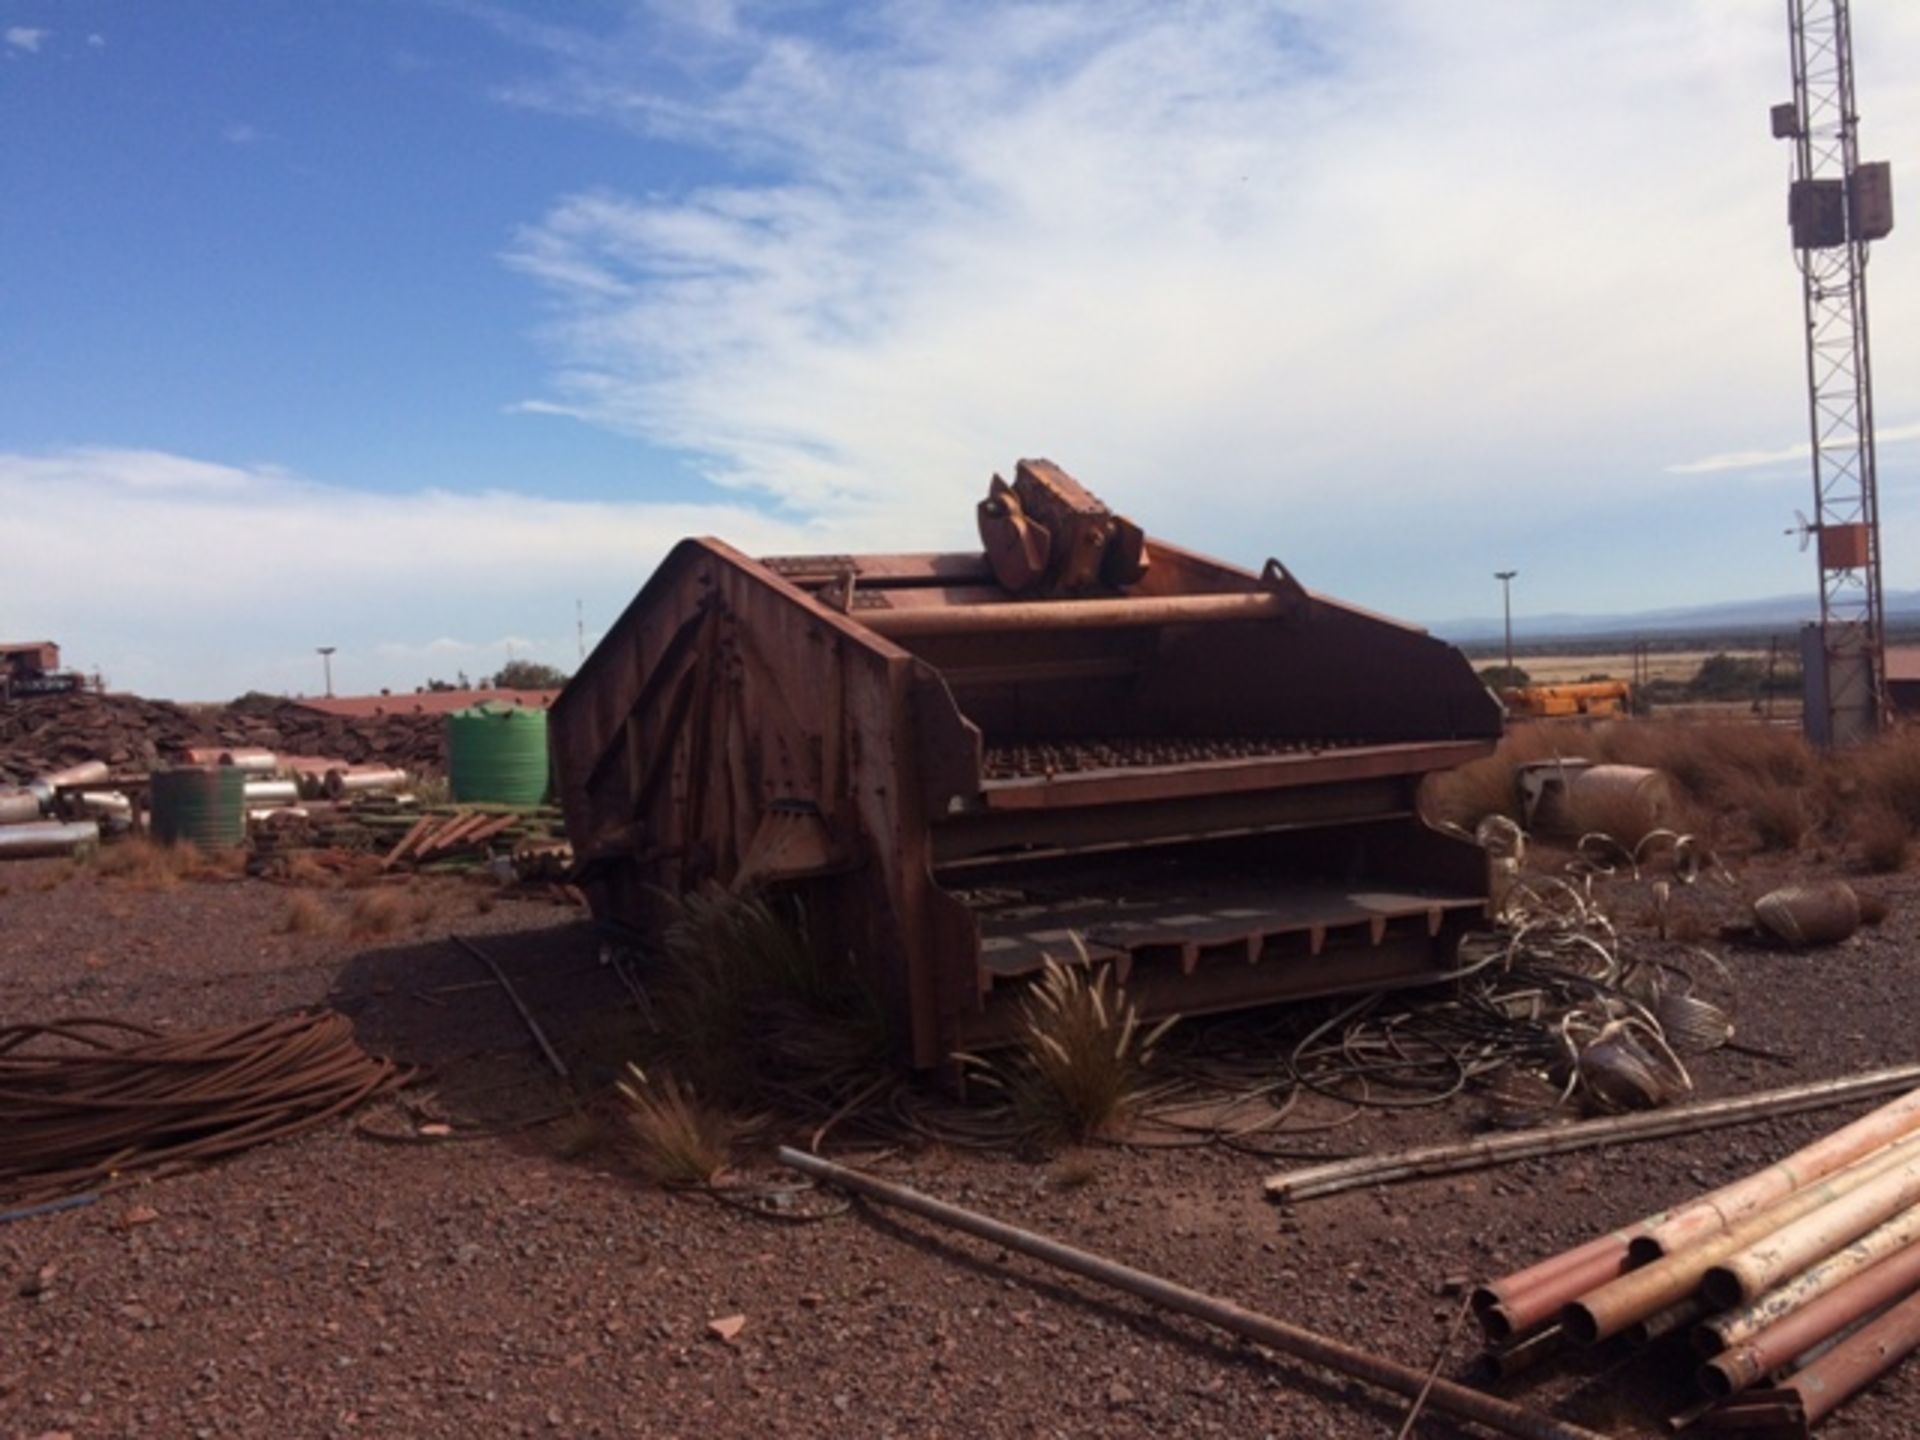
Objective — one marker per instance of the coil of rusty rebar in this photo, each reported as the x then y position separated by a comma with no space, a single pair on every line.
90,1103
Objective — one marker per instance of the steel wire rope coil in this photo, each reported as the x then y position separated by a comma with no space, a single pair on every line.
91,1103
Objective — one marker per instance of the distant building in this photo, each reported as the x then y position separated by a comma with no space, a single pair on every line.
1903,679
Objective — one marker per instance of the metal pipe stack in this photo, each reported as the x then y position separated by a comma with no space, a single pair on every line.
1806,1272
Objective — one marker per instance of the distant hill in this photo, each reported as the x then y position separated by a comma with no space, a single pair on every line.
1775,615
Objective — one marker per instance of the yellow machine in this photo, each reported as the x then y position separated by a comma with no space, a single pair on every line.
1595,699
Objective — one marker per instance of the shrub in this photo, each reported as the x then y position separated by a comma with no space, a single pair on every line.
376,912
306,914
149,864
1779,813
1467,795
1886,838
1080,1057
678,1138
1889,772
748,1008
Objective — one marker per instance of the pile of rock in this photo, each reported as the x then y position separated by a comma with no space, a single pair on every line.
44,733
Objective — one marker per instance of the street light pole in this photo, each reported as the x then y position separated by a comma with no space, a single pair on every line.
326,662
1505,577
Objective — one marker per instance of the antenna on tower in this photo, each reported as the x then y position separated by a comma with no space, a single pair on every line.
580,625
1836,206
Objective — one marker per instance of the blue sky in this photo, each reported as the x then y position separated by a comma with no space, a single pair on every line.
401,326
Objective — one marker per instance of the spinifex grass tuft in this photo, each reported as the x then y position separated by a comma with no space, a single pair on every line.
679,1139
1080,1057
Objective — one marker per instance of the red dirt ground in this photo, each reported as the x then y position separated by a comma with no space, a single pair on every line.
341,1285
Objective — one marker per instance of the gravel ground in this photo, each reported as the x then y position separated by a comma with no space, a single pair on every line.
338,1284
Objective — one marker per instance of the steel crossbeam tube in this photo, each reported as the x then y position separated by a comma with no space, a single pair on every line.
1366,1365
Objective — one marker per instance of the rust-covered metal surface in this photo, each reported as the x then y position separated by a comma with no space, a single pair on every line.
958,759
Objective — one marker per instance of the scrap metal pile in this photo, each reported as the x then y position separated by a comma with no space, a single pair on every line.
89,1105
1796,1286
45,733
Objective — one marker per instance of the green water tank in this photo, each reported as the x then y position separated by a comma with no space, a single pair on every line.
497,754
204,804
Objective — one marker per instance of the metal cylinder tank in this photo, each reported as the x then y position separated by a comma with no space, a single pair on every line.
498,755
204,804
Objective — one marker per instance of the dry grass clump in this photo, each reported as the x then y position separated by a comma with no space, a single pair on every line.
679,1139
1466,796
377,912
306,914
1074,1172
748,1009
422,906
1080,1059
1887,773
302,869
577,1135
1717,764
1885,837
149,864
56,874
1780,814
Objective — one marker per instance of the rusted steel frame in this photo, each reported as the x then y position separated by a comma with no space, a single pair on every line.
1742,1277
1348,1360
1605,1312
1737,1327
669,666
884,571
1215,777
985,837
1028,615
1775,1347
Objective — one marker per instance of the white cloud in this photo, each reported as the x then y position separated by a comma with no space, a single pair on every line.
26,37
196,579
96,40
242,134
1763,459
1266,276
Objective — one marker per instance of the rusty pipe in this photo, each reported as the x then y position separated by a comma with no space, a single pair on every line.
1025,615
47,837
1503,1362
1430,1160
1737,1327
85,773
1605,1312
1712,1213
355,779
19,807
1366,1365
1517,1302
1741,1277
250,758
1663,1323
1775,1347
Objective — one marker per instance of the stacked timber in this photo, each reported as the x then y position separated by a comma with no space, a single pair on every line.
1797,1285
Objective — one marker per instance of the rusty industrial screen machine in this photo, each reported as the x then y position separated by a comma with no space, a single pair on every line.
961,761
